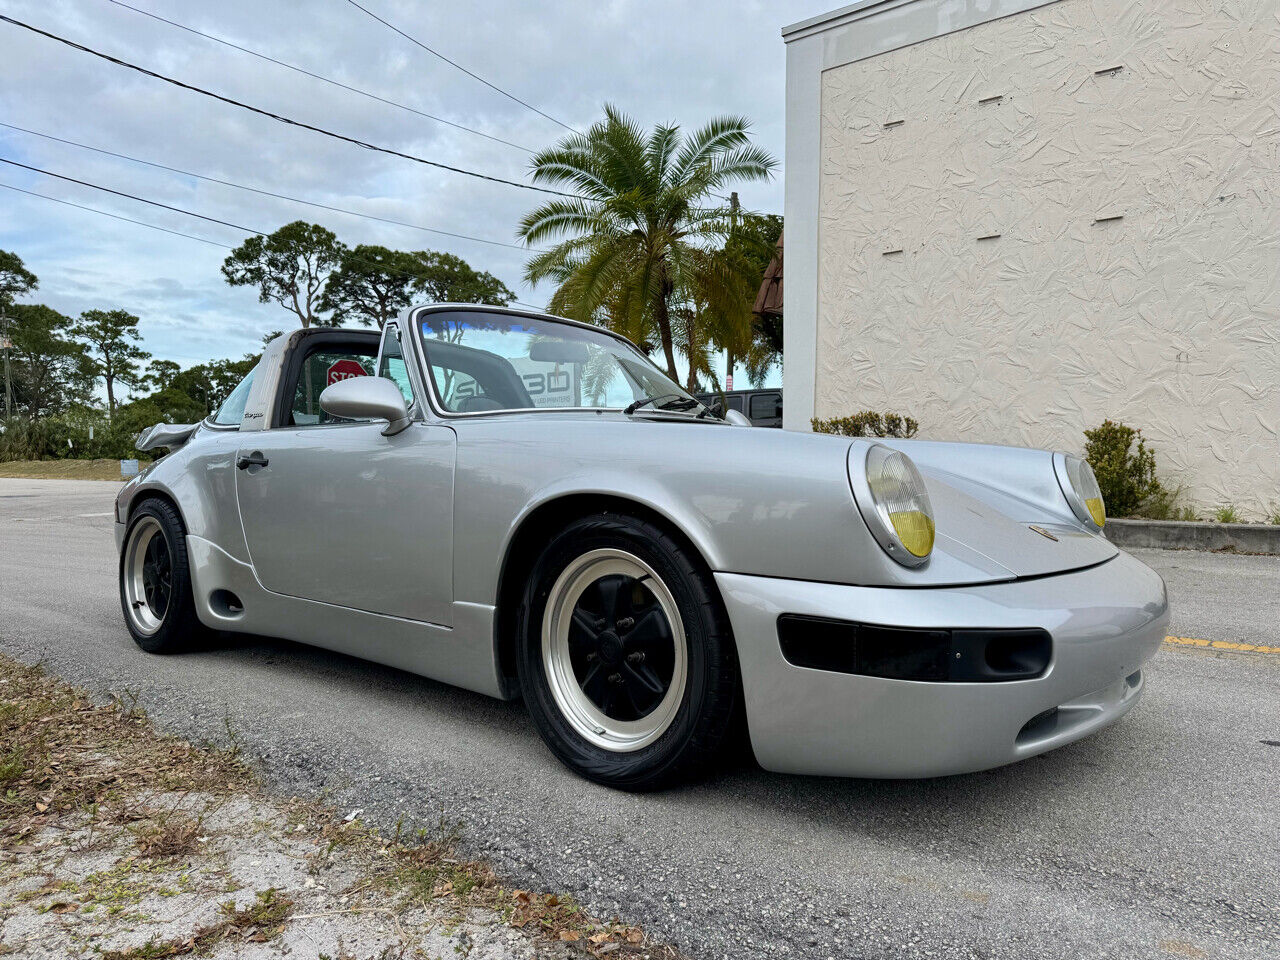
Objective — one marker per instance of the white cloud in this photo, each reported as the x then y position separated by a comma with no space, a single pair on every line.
659,61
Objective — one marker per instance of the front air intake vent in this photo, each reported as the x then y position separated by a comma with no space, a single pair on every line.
912,653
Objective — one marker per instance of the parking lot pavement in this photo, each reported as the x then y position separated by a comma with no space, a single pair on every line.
1156,838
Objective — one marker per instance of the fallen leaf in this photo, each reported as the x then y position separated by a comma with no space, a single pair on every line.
570,935
41,807
634,936
601,937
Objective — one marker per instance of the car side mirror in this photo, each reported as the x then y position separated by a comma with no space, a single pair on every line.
367,398
733,417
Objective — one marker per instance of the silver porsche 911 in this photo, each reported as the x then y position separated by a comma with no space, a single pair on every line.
526,506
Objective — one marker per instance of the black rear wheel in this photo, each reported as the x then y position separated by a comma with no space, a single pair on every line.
155,580
626,660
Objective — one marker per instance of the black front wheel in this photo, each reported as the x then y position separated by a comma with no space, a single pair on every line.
626,661
155,580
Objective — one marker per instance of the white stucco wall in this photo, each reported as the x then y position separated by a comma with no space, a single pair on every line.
1167,319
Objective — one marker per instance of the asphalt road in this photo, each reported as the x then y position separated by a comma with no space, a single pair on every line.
1158,837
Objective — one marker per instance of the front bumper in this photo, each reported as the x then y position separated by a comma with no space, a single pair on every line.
1105,622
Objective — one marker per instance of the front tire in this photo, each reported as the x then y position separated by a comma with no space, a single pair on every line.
155,581
626,660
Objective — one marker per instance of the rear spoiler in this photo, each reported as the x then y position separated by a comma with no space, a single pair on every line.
171,435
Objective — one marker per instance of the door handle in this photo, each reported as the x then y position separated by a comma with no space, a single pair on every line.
255,459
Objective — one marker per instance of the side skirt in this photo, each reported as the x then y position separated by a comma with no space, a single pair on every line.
229,597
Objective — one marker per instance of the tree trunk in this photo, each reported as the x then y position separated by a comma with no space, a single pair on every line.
728,378
691,382
663,319
111,396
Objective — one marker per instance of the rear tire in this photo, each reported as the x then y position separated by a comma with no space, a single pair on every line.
155,581
625,656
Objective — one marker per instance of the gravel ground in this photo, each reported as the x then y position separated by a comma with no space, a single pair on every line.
119,843
1152,839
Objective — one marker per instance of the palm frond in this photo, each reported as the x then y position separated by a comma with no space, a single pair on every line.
721,134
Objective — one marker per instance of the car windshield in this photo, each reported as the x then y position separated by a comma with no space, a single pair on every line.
481,362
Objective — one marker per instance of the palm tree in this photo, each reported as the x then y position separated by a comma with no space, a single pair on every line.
629,243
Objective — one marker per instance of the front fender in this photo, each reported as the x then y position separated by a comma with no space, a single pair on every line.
759,502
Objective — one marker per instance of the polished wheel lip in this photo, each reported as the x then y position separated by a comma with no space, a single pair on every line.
145,587
587,720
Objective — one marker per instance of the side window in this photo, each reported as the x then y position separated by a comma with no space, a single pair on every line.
735,403
392,365
765,406
323,366
232,410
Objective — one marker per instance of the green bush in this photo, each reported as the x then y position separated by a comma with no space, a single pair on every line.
1165,504
1125,468
66,436
867,424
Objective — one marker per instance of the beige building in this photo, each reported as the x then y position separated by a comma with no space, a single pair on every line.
1013,219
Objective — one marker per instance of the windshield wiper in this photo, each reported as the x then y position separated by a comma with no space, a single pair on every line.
635,405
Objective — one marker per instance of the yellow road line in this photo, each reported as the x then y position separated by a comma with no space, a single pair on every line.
1221,645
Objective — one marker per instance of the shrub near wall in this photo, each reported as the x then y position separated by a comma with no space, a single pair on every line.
868,423
1125,468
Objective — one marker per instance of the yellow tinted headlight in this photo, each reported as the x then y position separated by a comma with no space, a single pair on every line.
1080,487
902,517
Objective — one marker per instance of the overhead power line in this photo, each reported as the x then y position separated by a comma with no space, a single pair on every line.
261,192
115,216
282,119
165,206
458,66
130,196
317,76
152,226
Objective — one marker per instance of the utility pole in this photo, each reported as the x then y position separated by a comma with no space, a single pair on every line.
4,342
734,207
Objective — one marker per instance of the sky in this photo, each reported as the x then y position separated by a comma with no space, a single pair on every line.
657,60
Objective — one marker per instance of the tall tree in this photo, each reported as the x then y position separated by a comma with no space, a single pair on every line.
15,280
46,363
160,373
626,244
445,278
371,285
735,273
209,383
112,336
289,267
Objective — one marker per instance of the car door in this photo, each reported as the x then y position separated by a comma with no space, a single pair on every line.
336,512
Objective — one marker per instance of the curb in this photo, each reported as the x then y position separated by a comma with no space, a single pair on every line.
1181,535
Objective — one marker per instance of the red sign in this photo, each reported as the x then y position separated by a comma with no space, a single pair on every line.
343,370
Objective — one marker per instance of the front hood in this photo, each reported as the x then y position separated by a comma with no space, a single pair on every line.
1009,539
989,499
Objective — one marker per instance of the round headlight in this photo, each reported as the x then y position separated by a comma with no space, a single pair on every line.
892,500
1080,487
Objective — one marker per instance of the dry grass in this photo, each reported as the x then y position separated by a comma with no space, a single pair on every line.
63,469
61,753
79,775
171,837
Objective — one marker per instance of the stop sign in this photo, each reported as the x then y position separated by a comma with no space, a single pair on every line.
343,370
